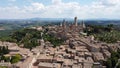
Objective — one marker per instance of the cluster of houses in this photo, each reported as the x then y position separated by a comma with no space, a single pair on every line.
77,51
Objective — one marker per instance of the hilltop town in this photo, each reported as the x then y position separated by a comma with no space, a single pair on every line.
77,51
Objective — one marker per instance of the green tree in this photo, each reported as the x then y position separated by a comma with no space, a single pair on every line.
3,67
16,58
109,63
118,66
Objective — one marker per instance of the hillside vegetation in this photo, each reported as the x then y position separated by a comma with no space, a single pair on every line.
106,34
30,38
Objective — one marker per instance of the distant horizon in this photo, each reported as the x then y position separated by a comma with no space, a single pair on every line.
56,18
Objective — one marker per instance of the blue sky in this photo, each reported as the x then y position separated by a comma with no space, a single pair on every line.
4,3
83,9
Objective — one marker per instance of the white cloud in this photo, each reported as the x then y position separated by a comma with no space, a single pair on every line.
12,0
12,12
56,1
99,9
34,7
111,2
38,6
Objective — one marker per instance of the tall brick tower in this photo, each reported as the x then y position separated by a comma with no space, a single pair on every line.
75,21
